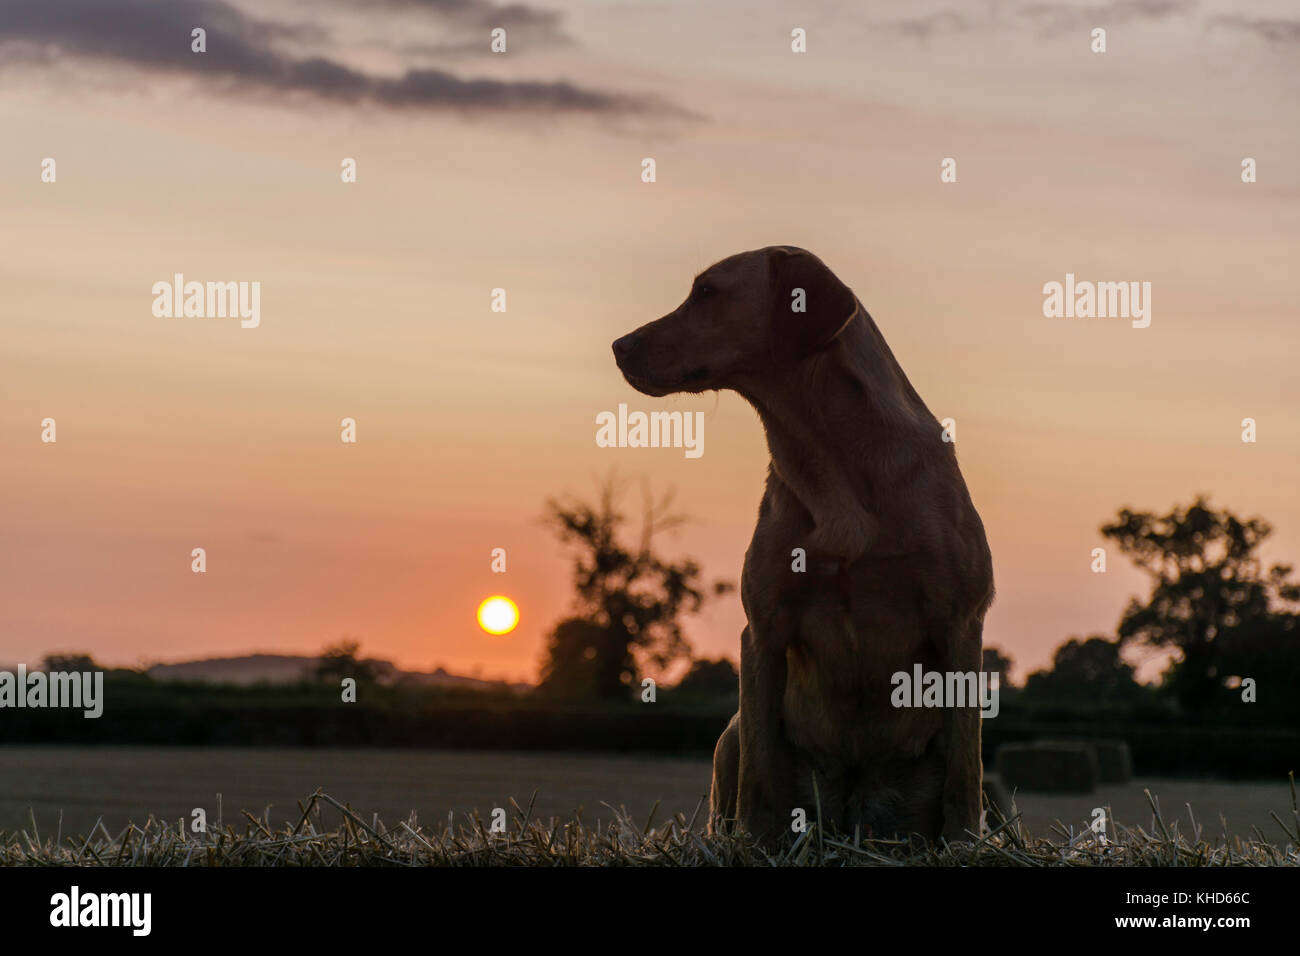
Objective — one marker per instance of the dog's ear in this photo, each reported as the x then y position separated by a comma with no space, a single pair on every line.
810,305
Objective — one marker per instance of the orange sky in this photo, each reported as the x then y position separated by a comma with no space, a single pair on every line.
183,433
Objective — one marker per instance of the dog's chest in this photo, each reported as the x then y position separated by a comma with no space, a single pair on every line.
842,637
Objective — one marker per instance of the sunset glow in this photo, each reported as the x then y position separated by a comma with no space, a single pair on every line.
374,303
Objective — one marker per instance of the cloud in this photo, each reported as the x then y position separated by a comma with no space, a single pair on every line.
242,52
468,24
925,27
1272,30
1046,17
1059,17
482,14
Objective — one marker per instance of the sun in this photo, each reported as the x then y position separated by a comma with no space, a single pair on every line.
498,615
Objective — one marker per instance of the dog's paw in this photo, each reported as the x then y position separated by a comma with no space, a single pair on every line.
961,826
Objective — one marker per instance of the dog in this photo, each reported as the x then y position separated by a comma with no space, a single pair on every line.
868,557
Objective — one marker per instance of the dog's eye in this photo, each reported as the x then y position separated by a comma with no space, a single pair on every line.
704,290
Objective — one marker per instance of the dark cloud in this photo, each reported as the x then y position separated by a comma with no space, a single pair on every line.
241,52
1272,30
417,87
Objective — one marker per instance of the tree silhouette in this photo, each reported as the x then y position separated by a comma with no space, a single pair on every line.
1267,650
710,678
76,662
1208,583
1089,669
996,662
340,660
629,600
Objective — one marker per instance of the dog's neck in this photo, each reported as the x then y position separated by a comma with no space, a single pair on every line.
844,427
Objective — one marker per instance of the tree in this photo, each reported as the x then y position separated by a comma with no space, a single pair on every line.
340,660
629,601
1089,669
710,678
69,663
1207,582
1267,650
995,662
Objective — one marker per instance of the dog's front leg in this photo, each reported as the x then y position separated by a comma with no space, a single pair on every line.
726,773
963,767
765,779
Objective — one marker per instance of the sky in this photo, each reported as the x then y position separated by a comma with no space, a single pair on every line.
522,171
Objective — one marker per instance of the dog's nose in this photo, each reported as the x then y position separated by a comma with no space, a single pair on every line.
624,346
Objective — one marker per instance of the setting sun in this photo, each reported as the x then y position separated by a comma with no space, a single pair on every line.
498,615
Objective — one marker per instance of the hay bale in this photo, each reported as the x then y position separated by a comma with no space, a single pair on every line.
1065,766
1114,761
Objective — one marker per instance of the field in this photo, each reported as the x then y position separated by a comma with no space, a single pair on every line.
122,784
114,786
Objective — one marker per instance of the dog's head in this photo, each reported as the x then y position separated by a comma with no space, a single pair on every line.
750,314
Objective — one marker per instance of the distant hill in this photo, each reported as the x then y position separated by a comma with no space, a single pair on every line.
288,668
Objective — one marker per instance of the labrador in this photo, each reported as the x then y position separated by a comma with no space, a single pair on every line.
868,558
